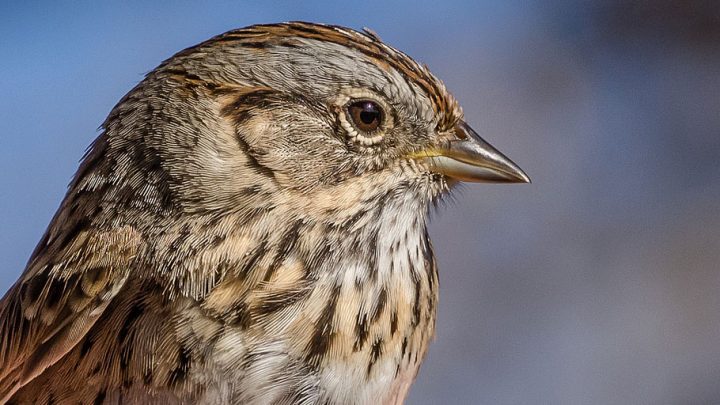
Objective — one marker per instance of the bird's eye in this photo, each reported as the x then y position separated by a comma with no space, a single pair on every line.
366,115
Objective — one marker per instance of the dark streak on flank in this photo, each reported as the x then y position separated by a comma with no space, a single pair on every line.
361,332
321,340
380,305
416,305
429,260
413,271
393,323
372,255
375,353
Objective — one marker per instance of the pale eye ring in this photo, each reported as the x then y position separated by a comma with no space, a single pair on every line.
366,115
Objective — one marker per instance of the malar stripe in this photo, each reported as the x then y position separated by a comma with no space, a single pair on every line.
287,245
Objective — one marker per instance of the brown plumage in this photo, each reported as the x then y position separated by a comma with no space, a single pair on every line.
250,227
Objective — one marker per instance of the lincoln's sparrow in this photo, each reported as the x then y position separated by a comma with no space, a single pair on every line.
250,227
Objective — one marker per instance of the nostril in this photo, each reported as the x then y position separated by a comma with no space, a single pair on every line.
460,132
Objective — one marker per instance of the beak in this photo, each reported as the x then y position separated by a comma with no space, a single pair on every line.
470,158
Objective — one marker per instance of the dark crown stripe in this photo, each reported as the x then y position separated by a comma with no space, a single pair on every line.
384,56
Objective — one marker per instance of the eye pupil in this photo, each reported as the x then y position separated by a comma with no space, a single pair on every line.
366,115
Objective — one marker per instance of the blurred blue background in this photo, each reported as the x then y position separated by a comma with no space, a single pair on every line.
597,284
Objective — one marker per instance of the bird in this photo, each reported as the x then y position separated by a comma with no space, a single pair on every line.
249,227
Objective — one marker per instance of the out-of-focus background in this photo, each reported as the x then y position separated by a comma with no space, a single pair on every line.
597,284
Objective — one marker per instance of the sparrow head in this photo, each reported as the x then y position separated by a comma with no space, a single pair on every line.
300,112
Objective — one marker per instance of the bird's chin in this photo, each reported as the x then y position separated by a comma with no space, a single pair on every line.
424,180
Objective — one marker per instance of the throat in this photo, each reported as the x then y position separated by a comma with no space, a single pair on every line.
379,312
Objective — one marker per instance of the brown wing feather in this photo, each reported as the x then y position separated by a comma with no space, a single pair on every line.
63,291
